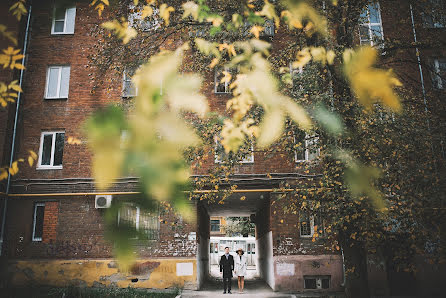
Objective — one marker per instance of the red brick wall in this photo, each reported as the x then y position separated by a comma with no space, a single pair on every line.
50,220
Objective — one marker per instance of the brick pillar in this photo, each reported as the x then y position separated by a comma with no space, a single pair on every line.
50,219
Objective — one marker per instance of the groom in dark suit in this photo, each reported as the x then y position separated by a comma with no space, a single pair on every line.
226,267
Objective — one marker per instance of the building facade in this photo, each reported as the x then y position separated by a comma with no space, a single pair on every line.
54,231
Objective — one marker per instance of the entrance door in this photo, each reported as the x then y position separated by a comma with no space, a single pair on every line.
213,252
251,254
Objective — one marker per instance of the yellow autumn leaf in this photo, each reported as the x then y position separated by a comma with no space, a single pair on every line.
271,127
14,169
3,174
30,161
10,57
330,57
215,19
255,30
8,34
368,83
147,11
190,9
269,11
165,12
33,154
226,77
303,57
121,30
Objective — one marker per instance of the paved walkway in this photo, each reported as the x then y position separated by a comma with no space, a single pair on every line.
253,289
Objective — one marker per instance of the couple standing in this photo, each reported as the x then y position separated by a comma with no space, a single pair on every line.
227,265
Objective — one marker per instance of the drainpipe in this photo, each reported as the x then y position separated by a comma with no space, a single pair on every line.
419,65
14,133
343,268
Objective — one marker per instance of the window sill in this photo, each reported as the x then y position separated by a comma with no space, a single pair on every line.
55,98
37,240
39,168
222,92
62,33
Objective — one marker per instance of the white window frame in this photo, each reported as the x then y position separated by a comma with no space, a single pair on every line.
311,217
59,81
64,23
307,142
127,78
245,160
216,72
53,148
36,239
439,84
369,24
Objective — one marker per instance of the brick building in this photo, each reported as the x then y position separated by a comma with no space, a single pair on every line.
53,232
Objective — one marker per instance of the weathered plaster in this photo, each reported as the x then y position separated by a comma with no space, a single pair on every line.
153,273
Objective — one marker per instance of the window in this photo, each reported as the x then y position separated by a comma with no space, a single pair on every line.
128,88
51,150
306,223
307,147
150,23
221,155
222,84
147,223
215,225
439,76
39,212
317,282
57,82
435,15
370,27
311,224
63,20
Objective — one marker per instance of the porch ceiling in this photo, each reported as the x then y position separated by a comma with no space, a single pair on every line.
238,204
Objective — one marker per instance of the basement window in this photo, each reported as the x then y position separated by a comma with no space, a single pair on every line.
39,211
63,20
370,28
317,282
57,82
51,150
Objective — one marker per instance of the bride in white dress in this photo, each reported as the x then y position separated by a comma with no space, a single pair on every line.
240,268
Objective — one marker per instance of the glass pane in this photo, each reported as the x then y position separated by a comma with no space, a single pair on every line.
374,13
300,146
53,79
60,13
310,283
58,151
46,149
71,16
364,33
325,283
58,26
377,33
38,227
64,82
